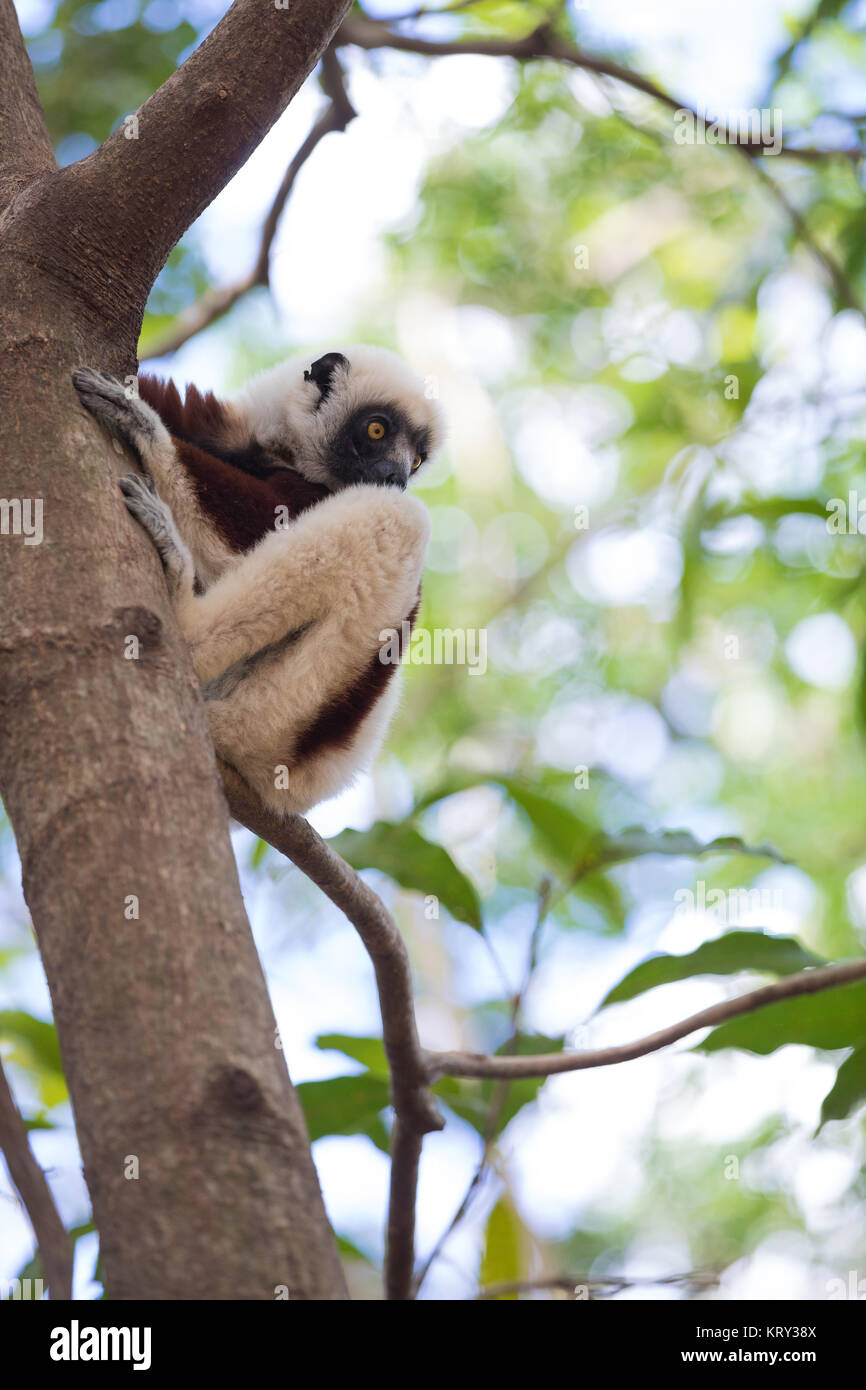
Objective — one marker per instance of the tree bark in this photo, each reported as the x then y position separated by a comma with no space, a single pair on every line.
194,1145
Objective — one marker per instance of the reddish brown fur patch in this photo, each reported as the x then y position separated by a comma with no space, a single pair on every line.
241,507
240,503
200,418
339,720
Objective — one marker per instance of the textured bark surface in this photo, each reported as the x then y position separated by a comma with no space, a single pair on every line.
195,1148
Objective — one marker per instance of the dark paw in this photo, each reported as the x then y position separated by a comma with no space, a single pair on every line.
109,402
98,391
143,502
132,484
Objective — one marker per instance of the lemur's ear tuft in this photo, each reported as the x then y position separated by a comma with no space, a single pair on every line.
322,372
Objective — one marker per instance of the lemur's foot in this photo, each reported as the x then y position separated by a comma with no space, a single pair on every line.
118,408
144,503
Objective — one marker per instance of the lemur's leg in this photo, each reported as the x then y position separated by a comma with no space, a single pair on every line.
354,561
131,420
148,508
287,644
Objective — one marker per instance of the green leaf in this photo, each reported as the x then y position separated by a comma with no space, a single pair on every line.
474,1101
346,1105
349,1251
561,832
565,834
370,1052
40,1121
736,950
33,1268
260,849
576,845
504,1241
835,1018
766,509
38,1039
402,853
848,1090
635,841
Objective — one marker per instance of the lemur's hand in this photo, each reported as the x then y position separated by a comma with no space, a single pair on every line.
118,408
144,503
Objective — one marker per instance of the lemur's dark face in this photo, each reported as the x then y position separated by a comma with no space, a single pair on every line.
375,442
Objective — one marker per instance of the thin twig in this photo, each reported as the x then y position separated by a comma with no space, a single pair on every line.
542,43
551,1064
427,11
52,1239
841,283
215,303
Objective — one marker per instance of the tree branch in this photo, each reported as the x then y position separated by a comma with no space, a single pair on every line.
296,838
217,302
545,43
406,1142
52,1239
841,284
415,1109
551,1064
25,145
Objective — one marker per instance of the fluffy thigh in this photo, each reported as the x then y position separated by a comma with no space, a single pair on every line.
287,644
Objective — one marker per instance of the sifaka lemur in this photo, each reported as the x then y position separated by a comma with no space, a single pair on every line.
289,545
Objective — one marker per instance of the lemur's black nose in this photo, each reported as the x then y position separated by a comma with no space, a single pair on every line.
388,474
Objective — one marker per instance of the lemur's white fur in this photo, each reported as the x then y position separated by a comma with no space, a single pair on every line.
318,592
351,567
285,411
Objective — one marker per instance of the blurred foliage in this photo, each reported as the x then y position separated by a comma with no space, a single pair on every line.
735,951
672,396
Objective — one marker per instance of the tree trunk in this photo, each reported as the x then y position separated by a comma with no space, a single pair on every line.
194,1145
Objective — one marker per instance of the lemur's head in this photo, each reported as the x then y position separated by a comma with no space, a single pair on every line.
355,416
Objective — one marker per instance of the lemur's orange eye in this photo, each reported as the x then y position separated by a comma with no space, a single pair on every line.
376,430
416,462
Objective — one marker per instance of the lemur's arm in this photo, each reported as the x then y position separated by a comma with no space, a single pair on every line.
131,420
224,491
